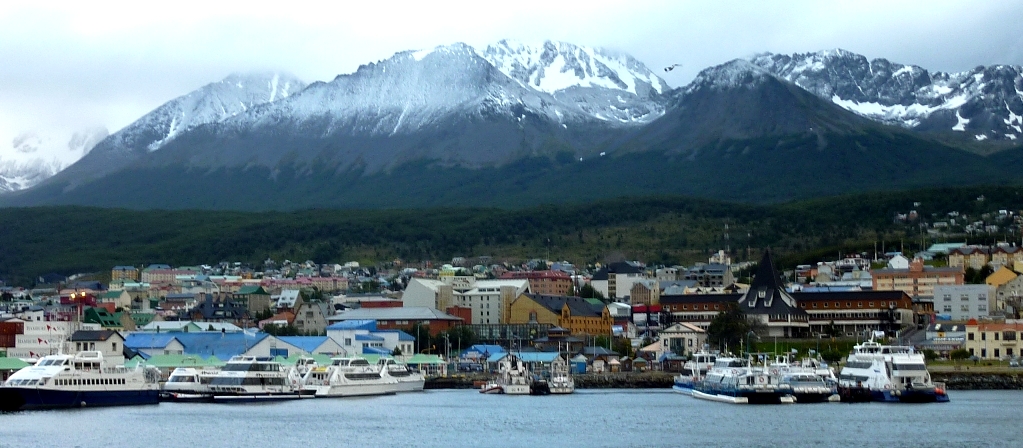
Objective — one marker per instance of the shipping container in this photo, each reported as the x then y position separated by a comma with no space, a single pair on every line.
11,328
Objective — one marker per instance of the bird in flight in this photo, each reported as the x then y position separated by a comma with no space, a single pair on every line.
671,67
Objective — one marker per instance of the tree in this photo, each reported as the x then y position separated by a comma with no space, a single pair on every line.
959,354
396,352
623,346
930,355
831,330
732,327
587,292
831,355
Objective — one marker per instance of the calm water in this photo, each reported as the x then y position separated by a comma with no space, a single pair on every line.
590,418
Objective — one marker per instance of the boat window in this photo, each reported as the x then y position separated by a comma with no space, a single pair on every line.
910,367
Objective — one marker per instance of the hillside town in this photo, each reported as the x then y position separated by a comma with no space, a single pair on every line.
607,317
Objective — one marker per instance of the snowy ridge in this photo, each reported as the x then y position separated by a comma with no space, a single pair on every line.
554,66
32,157
215,102
985,101
585,77
732,74
414,89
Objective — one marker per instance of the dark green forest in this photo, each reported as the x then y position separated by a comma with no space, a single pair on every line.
656,230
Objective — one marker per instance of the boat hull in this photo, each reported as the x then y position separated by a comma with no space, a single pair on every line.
185,397
863,395
411,385
23,398
516,389
356,390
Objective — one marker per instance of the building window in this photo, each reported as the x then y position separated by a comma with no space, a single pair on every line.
815,304
859,304
983,336
996,337
948,297
837,305
825,304
947,308
969,336
964,308
996,353
871,304
964,297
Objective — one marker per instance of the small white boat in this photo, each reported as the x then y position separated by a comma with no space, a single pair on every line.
348,377
408,380
250,378
491,387
189,384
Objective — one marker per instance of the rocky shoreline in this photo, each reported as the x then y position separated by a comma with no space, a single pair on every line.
663,380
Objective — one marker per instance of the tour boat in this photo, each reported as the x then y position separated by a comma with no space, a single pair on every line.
693,370
349,377
514,379
733,380
80,380
888,373
189,384
251,378
408,380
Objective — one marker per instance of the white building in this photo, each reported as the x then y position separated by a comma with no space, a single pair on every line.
488,298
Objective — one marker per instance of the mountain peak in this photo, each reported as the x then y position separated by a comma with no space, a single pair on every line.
731,74
553,66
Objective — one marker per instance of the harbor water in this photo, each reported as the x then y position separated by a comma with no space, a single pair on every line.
588,418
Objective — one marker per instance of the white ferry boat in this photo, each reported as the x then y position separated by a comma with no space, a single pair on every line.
80,380
733,380
888,373
695,369
250,378
348,377
189,384
408,380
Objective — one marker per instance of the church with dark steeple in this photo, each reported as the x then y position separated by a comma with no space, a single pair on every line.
767,301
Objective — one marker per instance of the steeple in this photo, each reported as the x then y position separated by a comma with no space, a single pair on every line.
766,294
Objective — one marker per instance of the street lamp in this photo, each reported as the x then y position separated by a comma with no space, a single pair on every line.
748,334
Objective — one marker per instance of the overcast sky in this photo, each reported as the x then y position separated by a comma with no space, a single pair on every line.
66,67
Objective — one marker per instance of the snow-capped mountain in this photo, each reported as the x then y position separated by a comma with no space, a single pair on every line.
33,157
984,103
583,76
211,103
448,104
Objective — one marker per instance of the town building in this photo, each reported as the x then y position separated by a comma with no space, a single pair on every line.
108,342
400,318
580,316
994,340
969,257
551,283
311,316
682,338
963,302
710,275
1003,255
124,274
918,280
615,280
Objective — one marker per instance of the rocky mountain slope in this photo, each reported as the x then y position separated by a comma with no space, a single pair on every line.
517,124
985,103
